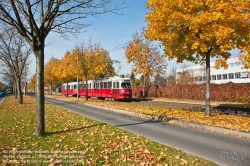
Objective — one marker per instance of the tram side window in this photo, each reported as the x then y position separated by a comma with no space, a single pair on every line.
68,86
109,84
113,84
75,86
101,86
105,85
117,85
83,86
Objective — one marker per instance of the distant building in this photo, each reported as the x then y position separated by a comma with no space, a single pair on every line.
234,73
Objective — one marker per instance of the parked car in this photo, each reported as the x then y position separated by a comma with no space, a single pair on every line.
1,93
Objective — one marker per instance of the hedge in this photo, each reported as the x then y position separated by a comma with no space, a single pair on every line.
228,92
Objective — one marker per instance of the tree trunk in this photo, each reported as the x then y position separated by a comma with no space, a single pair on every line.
207,111
19,90
144,84
87,95
40,126
15,89
50,87
67,90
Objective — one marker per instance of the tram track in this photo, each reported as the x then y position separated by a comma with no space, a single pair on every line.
215,109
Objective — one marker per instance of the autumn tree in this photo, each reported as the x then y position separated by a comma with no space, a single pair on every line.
171,78
145,57
51,72
245,59
32,83
159,80
35,19
198,30
185,76
67,68
93,61
14,55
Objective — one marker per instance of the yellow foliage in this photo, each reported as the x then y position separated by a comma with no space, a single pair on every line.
195,27
146,58
221,63
67,67
245,59
50,70
32,82
93,61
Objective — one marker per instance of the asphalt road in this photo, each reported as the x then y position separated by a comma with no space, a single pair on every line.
1,99
220,148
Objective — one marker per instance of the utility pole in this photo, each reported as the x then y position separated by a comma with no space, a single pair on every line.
77,86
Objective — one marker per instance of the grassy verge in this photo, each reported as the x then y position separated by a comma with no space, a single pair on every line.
72,139
238,123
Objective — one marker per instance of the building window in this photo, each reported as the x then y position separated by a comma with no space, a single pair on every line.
244,74
231,64
196,79
213,77
230,76
238,63
224,76
219,77
237,75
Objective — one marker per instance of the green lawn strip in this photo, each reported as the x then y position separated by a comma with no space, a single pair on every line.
72,139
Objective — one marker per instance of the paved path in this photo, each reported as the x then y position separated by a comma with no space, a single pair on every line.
1,99
220,148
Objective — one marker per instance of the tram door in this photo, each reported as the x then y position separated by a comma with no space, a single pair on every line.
115,90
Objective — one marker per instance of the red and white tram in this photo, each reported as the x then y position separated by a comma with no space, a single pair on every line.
112,87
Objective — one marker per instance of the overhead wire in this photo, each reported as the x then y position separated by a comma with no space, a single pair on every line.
118,47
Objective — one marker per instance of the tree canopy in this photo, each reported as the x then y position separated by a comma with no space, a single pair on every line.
189,29
197,30
146,58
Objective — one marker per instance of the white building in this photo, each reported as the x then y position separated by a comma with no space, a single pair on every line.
234,73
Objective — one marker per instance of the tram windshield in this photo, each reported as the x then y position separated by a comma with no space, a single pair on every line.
126,85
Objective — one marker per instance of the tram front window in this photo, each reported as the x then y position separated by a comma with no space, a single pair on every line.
126,85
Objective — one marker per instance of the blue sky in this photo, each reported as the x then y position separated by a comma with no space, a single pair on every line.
110,30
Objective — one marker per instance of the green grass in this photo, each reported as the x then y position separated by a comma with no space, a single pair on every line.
72,139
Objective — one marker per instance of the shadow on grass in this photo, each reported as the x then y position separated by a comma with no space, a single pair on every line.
139,99
72,130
